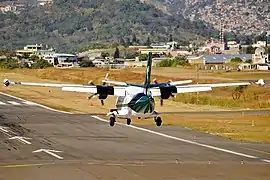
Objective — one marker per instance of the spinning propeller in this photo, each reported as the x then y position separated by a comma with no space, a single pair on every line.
95,95
167,88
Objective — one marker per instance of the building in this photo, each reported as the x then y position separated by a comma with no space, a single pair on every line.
37,49
153,51
259,44
45,2
212,47
64,60
217,61
168,45
260,56
11,6
232,44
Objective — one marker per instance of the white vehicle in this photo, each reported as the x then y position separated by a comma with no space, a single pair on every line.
136,100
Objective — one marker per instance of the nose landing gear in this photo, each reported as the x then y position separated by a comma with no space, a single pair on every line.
158,121
128,121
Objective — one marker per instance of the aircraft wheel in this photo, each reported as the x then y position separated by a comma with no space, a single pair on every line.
112,121
128,121
158,121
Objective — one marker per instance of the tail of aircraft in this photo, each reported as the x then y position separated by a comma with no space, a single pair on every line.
148,71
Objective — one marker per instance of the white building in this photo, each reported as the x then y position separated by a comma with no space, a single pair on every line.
260,56
259,44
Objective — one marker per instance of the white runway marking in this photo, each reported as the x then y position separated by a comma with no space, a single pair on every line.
4,129
50,152
45,107
188,141
161,134
2,103
22,139
13,102
29,103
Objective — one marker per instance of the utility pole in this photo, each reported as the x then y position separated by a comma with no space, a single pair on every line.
266,44
267,35
197,82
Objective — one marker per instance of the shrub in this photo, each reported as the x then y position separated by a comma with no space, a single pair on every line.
86,63
9,64
41,64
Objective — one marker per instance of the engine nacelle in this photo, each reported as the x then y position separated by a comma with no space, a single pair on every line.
6,82
104,91
166,92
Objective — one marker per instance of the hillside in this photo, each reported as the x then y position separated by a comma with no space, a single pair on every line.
72,25
244,17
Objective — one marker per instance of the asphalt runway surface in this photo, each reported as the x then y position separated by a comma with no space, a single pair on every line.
37,143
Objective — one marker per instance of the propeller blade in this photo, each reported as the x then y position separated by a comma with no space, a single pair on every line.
155,81
91,83
91,96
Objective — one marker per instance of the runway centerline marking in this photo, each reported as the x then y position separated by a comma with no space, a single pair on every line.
154,132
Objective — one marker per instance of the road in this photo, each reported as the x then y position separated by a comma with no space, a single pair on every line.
38,143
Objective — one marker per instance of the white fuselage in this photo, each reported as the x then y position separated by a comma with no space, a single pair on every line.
123,110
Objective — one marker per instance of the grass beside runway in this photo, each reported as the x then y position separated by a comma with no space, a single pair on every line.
239,127
231,126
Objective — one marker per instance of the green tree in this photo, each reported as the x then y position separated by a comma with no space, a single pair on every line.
148,42
116,53
9,64
104,54
86,63
122,41
34,58
170,38
182,61
249,61
236,60
134,39
41,64
143,57
250,50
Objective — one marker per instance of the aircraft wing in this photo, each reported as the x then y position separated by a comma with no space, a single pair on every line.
199,87
115,82
111,90
6,82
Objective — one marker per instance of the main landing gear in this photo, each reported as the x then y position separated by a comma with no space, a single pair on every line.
112,120
158,121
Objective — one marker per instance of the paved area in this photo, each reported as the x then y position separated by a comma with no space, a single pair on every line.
37,143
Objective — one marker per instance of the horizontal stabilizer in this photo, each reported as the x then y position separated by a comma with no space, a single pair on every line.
175,83
115,82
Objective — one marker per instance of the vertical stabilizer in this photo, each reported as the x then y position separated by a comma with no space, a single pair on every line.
148,71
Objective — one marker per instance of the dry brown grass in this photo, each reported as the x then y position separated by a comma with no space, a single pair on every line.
239,127
235,127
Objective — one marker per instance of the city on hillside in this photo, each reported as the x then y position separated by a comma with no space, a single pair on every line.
212,54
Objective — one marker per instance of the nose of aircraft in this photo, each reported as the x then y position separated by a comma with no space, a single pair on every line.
141,103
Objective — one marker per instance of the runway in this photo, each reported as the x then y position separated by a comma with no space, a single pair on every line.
37,143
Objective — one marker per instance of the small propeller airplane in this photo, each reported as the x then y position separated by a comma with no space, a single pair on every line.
136,100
